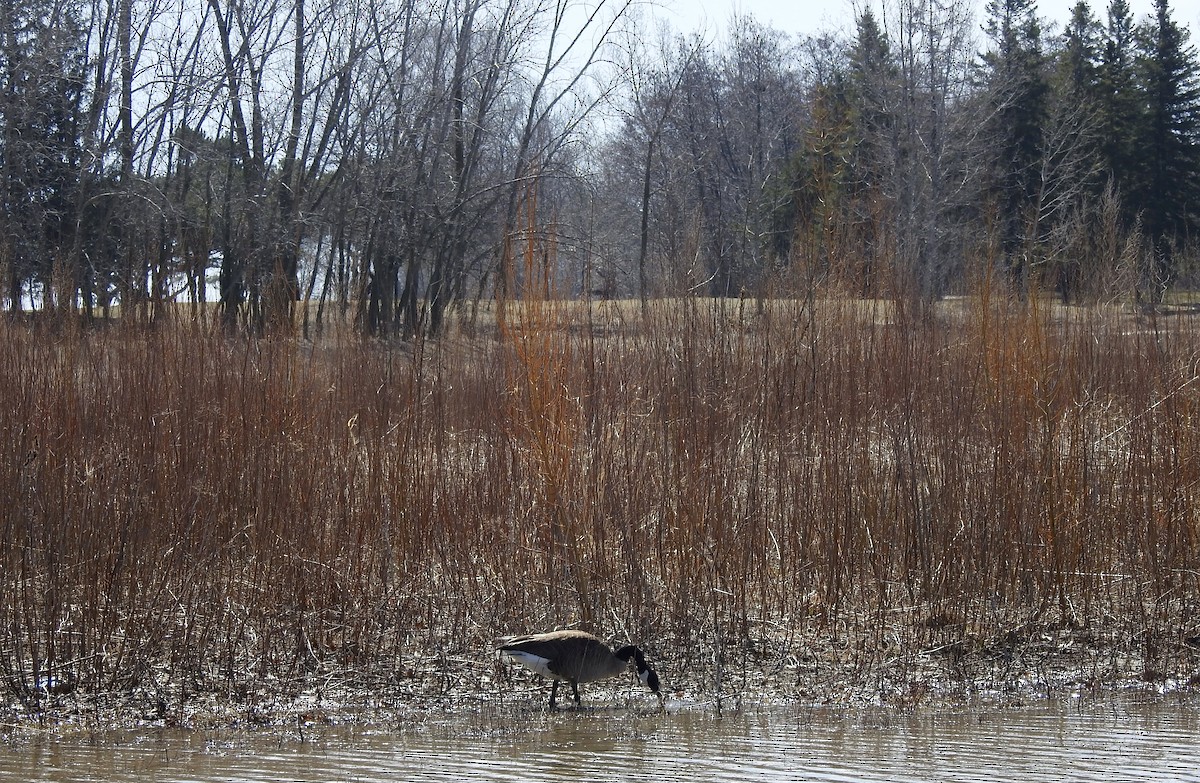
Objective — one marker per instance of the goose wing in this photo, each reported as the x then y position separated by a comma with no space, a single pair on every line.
561,654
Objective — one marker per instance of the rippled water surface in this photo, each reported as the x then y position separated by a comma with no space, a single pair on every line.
1077,740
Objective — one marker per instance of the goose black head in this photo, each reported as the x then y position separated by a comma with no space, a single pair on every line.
646,675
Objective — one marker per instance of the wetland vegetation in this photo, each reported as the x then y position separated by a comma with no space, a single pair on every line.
830,500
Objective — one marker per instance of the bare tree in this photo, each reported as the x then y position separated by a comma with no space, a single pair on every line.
654,90
707,137
936,152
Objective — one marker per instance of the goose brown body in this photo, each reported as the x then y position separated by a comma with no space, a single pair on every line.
575,657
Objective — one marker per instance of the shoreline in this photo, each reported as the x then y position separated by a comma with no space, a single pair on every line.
459,684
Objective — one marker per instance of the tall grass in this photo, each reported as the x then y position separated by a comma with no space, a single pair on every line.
188,513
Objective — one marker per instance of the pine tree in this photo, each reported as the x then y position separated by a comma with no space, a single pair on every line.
1079,61
1073,172
1015,76
872,79
42,71
1077,94
1120,105
1169,192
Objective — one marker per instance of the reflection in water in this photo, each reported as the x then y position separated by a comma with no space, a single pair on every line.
1079,740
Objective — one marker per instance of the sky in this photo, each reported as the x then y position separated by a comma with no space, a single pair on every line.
807,17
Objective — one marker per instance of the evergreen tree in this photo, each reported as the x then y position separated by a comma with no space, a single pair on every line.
1170,141
872,80
1120,105
42,71
1072,168
822,176
1015,76
1079,61
1077,94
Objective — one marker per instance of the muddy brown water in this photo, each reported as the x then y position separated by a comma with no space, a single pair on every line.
1127,739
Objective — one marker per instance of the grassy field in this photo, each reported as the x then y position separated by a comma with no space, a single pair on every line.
818,501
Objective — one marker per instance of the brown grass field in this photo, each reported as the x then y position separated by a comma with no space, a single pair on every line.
823,502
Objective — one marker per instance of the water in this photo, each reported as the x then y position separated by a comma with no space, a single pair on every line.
1076,740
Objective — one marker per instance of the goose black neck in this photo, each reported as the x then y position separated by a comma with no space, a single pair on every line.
647,675
630,651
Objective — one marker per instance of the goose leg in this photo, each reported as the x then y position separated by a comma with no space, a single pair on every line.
575,690
553,691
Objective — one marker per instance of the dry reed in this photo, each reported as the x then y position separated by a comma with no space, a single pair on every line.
813,491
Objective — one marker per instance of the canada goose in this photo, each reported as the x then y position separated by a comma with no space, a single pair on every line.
575,656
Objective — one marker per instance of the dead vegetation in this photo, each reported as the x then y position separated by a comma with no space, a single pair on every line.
825,501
